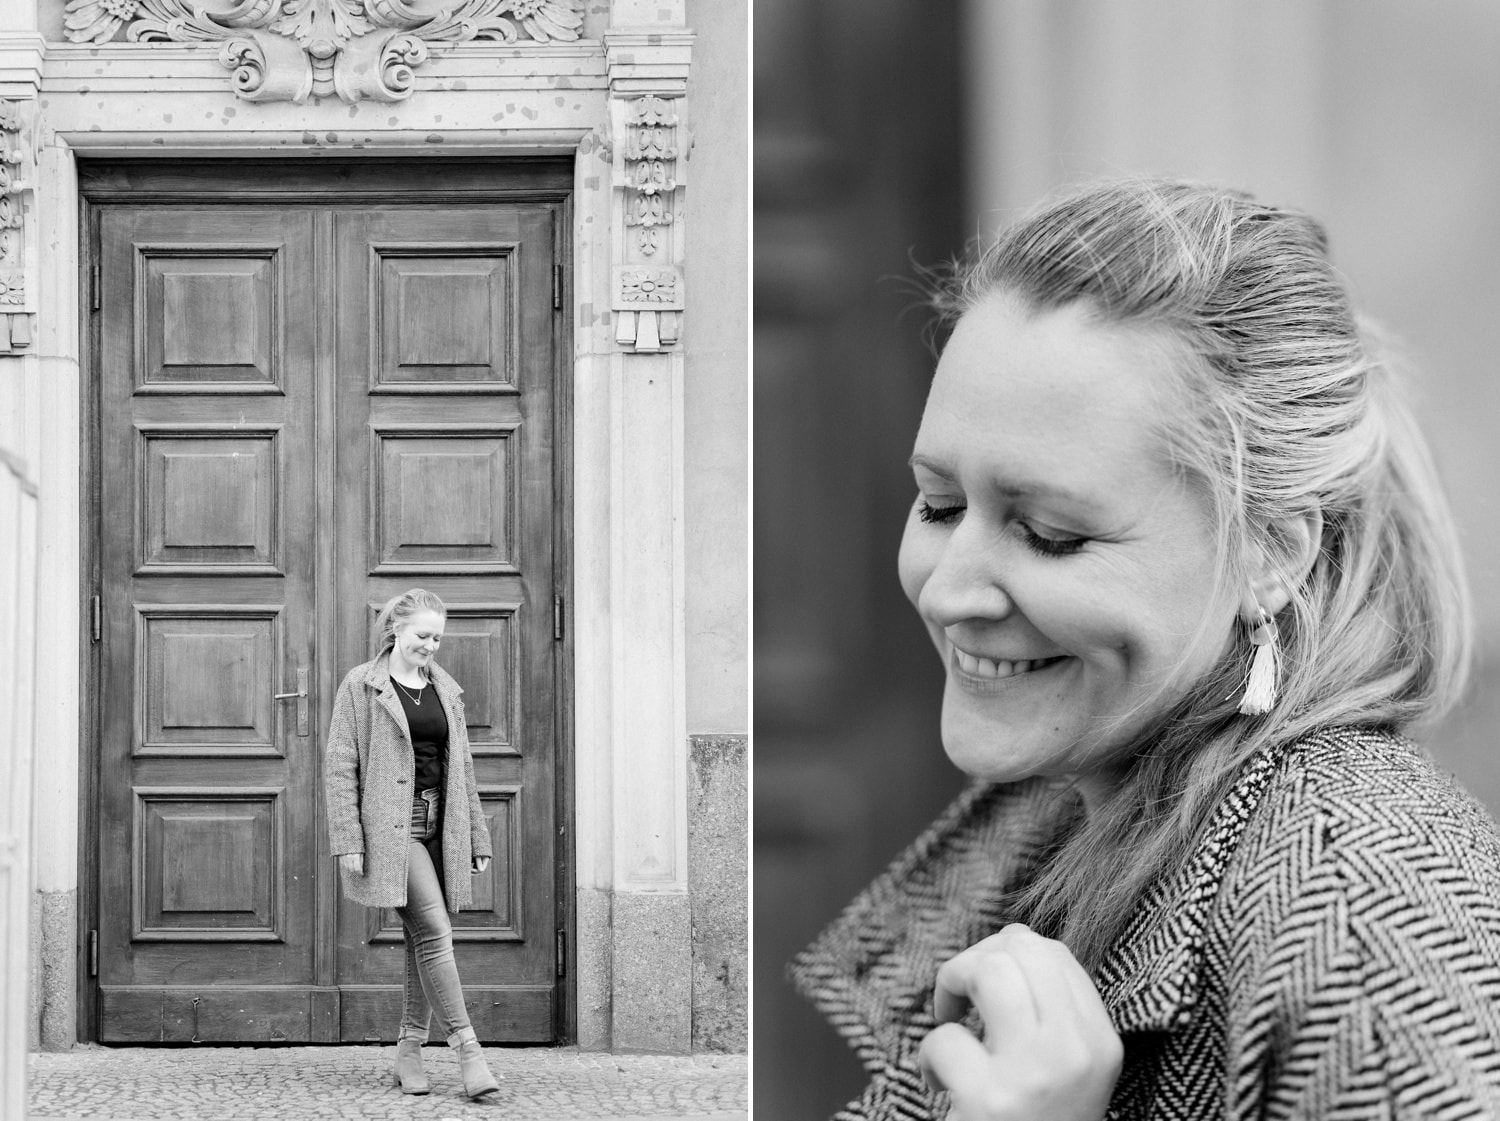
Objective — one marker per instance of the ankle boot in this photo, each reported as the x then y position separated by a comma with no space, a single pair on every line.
478,1080
409,1073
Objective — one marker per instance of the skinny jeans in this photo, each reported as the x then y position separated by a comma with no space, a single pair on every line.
431,974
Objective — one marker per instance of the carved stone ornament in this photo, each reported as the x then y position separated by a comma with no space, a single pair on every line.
653,289
15,318
648,296
650,168
289,50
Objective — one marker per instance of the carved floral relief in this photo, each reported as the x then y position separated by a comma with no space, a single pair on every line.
649,291
15,317
289,50
649,286
650,166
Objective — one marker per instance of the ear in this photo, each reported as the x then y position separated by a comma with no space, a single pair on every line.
1279,568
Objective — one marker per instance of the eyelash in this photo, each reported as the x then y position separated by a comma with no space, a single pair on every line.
1044,546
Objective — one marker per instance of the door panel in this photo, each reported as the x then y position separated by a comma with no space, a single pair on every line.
208,851
241,350
444,338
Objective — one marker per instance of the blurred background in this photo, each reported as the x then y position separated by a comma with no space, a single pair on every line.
888,133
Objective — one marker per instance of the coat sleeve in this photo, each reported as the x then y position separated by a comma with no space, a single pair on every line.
341,776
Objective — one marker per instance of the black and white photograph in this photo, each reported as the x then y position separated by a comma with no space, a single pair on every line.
699,560
374,541
1127,580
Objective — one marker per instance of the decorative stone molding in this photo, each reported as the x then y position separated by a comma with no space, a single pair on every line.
17,302
648,295
290,50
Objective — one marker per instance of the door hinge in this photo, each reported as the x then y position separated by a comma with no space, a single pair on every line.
94,288
96,618
93,953
557,617
557,286
562,953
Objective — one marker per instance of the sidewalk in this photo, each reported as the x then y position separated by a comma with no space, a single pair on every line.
297,1083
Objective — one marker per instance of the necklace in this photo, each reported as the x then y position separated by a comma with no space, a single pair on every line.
416,698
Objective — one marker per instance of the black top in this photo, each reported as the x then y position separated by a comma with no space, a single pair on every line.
429,733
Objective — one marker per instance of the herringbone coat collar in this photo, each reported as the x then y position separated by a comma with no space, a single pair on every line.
378,677
871,972
1149,980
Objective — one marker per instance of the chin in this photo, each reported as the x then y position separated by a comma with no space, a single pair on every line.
992,759
1003,752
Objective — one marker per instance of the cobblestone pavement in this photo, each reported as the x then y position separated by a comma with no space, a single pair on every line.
293,1083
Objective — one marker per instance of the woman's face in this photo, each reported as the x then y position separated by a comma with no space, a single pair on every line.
1063,569
418,638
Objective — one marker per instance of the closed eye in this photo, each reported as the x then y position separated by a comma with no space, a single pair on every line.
928,513
1050,546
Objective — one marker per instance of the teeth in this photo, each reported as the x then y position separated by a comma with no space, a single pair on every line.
997,668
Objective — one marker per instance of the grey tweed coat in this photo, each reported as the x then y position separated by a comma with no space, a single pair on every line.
1330,950
368,767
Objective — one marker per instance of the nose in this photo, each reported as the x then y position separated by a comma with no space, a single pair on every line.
967,583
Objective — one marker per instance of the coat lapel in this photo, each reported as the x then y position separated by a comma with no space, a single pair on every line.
1150,979
871,972
378,677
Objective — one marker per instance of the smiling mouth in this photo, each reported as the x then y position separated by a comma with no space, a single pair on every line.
995,669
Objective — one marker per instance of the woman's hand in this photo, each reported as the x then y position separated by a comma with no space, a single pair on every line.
1049,1048
353,863
481,863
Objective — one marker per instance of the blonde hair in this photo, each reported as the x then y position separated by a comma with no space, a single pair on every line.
398,609
1290,411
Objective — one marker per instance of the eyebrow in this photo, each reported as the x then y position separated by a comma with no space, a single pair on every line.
1024,489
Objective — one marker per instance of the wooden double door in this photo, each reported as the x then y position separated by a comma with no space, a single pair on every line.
306,405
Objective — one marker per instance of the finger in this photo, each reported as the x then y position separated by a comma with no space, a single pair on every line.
955,1003
950,1058
1059,981
991,981
1074,1020
1051,974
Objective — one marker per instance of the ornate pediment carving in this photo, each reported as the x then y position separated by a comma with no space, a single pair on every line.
289,50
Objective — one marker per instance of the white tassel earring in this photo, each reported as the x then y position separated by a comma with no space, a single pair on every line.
1265,668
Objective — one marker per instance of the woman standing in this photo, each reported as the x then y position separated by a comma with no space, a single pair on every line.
405,823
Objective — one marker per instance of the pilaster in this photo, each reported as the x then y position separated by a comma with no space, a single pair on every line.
20,81
645,1000
20,78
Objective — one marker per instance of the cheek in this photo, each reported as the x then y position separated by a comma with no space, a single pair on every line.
1108,613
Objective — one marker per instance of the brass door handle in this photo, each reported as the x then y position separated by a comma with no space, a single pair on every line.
301,695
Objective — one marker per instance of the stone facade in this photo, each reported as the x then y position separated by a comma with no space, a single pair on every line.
615,86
